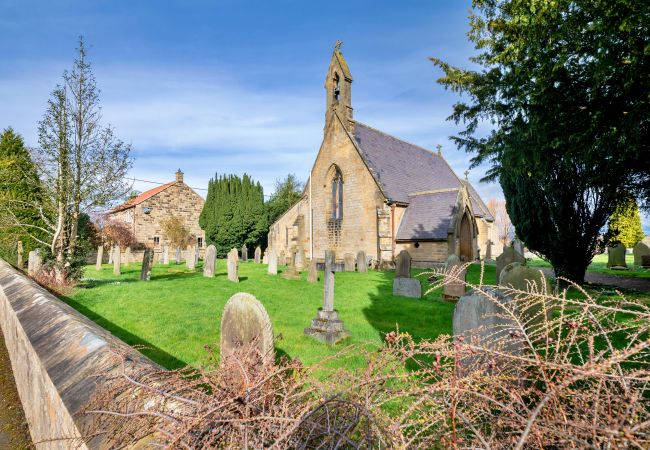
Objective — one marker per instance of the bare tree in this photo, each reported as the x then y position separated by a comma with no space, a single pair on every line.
175,231
82,165
502,221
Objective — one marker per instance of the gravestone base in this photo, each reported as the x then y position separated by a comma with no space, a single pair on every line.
291,274
327,328
407,287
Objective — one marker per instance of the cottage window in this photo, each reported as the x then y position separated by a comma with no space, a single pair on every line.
199,242
337,196
156,241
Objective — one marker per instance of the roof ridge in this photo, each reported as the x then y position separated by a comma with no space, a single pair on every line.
400,139
143,196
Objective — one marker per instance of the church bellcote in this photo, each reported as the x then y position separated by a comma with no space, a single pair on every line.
338,86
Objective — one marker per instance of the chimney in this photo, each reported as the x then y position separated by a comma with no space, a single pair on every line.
179,176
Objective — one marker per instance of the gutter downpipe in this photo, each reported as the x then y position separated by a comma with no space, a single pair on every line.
311,225
392,228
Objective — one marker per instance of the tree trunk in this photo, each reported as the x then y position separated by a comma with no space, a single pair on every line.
572,268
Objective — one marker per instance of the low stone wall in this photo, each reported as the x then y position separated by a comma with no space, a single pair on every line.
56,355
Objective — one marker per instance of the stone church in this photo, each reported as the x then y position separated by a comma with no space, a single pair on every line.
145,212
371,191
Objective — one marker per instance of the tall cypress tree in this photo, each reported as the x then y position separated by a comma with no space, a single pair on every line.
625,222
20,189
234,213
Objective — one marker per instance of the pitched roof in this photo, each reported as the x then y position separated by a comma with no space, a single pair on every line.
142,197
401,168
343,64
479,207
428,216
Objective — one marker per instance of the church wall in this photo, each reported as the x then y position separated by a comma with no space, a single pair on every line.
286,234
361,199
427,254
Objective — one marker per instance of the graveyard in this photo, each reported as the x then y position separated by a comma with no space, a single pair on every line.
175,314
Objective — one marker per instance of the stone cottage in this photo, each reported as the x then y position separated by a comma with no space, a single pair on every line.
370,191
145,212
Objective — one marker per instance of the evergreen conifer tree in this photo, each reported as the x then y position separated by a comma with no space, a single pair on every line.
625,222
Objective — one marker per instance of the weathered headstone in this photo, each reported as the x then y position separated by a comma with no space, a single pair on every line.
312,275
34,262
265,256
233,266
147,263
100,256
530,282
454,287
197,253
178,255
641,248
19,255
616,257
518,246
127,256
258,255
117,255
481,319
362,263
245,322
508,256
299,260
210,261
273,263
348,261
165,255
403,284
403,265
111,252
327,327
191,257
244,253
290,273
488,249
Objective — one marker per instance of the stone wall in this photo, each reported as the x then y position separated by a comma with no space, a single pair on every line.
56,354
428,254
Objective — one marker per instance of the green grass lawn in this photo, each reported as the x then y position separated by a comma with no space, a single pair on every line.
179,311
599,265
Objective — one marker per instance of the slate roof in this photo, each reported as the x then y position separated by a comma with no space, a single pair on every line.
401,168
142,197
479,207
428,217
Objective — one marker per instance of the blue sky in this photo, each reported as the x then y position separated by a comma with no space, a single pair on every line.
212,86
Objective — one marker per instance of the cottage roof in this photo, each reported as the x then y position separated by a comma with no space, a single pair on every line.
142,197
428,216
402,169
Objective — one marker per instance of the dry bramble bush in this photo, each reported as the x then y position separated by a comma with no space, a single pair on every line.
578,379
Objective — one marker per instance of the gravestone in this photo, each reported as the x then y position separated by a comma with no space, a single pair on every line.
645,261
518,246
127,256
290,273
165,255
327,327
147,263
110,255
362,263
403,284
273,263
100,256
348,261
19,255
403,265
117,255
258,255
488,250
299,260
233,266
616,257
210,261
641,248
480,318
265,256
191,257
454,287
244,253
178,255
197,253
245,322
508,256
530,281
312,275
34,262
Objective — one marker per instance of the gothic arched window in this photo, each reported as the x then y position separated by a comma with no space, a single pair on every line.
337,195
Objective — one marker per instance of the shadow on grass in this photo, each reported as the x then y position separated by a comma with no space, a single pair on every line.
146,348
